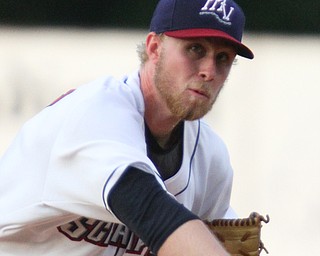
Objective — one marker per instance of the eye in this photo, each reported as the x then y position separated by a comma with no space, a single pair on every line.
225,58
222,57
196,51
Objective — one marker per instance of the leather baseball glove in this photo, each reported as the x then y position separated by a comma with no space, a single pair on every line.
240,237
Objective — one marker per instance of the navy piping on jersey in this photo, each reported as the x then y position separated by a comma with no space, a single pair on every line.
191,160
104,189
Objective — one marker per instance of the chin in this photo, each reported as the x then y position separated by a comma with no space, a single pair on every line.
191,116
197,113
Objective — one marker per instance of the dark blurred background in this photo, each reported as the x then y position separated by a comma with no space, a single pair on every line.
290,16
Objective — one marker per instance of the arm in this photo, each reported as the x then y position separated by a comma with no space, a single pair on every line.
164,225
192,238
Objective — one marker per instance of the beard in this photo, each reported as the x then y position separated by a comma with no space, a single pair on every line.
181,104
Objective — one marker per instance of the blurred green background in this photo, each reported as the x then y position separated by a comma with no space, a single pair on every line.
298,16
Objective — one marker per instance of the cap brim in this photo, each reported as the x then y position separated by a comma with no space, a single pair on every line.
242,50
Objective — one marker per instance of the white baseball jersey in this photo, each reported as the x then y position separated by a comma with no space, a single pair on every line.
56,176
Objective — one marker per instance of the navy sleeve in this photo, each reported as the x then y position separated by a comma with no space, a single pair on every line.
145,208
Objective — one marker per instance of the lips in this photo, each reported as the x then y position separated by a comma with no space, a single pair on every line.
200,92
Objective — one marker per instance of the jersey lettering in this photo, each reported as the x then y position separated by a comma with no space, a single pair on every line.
104,234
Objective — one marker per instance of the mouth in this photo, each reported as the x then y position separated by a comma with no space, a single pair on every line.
200,93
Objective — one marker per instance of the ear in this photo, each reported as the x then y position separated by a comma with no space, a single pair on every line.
153,46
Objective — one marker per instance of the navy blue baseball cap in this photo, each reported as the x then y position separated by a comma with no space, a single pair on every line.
201,18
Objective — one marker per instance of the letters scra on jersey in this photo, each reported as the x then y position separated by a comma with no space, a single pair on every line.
104,234
220,9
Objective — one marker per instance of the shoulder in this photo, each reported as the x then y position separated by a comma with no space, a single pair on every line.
101,95
102,109
111,90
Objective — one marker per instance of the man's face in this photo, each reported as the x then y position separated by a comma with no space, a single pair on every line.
190,74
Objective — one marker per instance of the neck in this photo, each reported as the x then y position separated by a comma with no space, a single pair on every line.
163,135
158,117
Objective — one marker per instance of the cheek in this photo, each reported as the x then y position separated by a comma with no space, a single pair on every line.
180,69
178,61
183,70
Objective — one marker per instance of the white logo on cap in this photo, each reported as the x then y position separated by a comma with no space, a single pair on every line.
218,8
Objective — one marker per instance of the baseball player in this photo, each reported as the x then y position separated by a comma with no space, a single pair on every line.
127,167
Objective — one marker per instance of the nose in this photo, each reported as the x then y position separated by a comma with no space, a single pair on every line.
207,69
